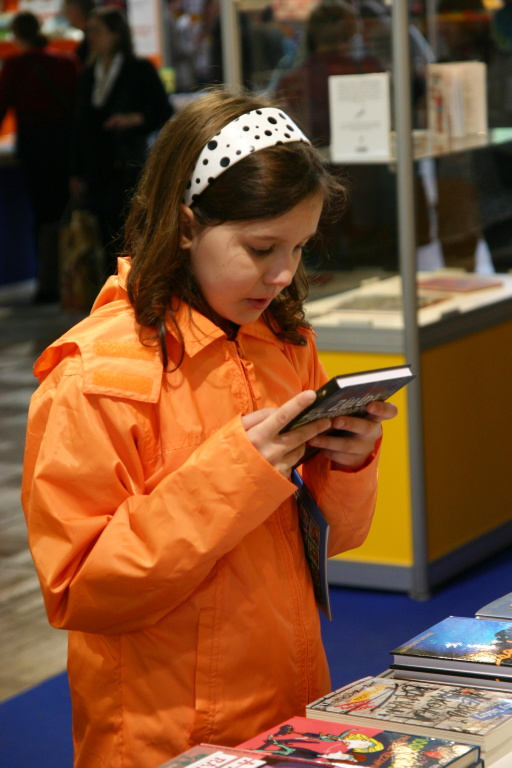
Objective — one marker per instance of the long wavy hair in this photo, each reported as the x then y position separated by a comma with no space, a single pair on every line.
266,184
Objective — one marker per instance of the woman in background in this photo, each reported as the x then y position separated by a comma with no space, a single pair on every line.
121,102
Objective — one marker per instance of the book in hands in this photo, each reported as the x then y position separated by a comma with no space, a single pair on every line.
501,608
455,712
349,394
341,744
467,647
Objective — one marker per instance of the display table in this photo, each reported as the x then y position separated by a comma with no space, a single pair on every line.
465,382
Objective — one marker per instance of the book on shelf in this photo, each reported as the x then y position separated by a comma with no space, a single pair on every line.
459,283
467,647
463,713
342,744
349,394
384,302
457,98
501,608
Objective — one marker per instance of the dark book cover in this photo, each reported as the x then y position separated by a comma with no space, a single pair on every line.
315,535
351,393
460,644
343,744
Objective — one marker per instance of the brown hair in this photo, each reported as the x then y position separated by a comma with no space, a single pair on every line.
331,24
265,184
114,19
27,28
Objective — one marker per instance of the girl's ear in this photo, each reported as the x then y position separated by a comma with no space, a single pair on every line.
187,226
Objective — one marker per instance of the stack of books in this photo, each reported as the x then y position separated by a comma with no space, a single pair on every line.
301,742
444,702
453,681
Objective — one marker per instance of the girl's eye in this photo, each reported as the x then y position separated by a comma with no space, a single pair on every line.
262,251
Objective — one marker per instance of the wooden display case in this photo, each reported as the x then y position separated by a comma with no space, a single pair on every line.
465,423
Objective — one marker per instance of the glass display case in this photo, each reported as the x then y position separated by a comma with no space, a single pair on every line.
440,204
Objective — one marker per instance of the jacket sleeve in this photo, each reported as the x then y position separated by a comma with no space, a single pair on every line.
346,498
111,556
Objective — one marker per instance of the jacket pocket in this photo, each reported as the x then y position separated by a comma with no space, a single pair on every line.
206,678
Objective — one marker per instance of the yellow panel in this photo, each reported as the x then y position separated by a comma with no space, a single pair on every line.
390,538
467,428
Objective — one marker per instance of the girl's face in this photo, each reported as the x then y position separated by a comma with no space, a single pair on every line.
102,41
242,265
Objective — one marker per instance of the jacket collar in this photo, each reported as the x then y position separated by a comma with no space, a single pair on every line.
197,330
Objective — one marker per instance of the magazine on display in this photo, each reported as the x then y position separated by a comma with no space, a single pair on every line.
461,713
342,744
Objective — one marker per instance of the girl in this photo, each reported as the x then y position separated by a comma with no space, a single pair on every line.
161,516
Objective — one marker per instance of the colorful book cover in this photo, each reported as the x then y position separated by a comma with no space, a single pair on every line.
215,756
385,700
501,608
460,644
343,744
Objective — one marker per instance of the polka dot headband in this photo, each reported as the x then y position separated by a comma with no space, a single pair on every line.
255,130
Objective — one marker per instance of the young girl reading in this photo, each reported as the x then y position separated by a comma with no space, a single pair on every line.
156,487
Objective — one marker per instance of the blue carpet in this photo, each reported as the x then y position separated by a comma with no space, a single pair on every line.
367,624
35,727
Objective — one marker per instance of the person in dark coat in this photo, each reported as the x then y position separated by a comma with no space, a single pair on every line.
77,12
121,102
39,85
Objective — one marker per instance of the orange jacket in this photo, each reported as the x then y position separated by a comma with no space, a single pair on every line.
164,541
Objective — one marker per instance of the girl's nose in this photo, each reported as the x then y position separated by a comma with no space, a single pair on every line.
281,272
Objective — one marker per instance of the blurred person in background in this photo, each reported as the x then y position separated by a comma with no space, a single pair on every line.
269,45
39,85
121,102
330,42
77,12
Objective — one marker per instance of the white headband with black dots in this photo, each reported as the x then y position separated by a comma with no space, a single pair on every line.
255,130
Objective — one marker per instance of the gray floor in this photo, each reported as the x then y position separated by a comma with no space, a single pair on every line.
30,650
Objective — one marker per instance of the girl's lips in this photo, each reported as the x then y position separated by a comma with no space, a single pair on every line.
259,303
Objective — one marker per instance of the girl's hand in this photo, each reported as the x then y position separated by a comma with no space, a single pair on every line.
283,451
352,451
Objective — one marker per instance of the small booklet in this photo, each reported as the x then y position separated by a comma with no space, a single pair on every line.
350,394
501,608
315,535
